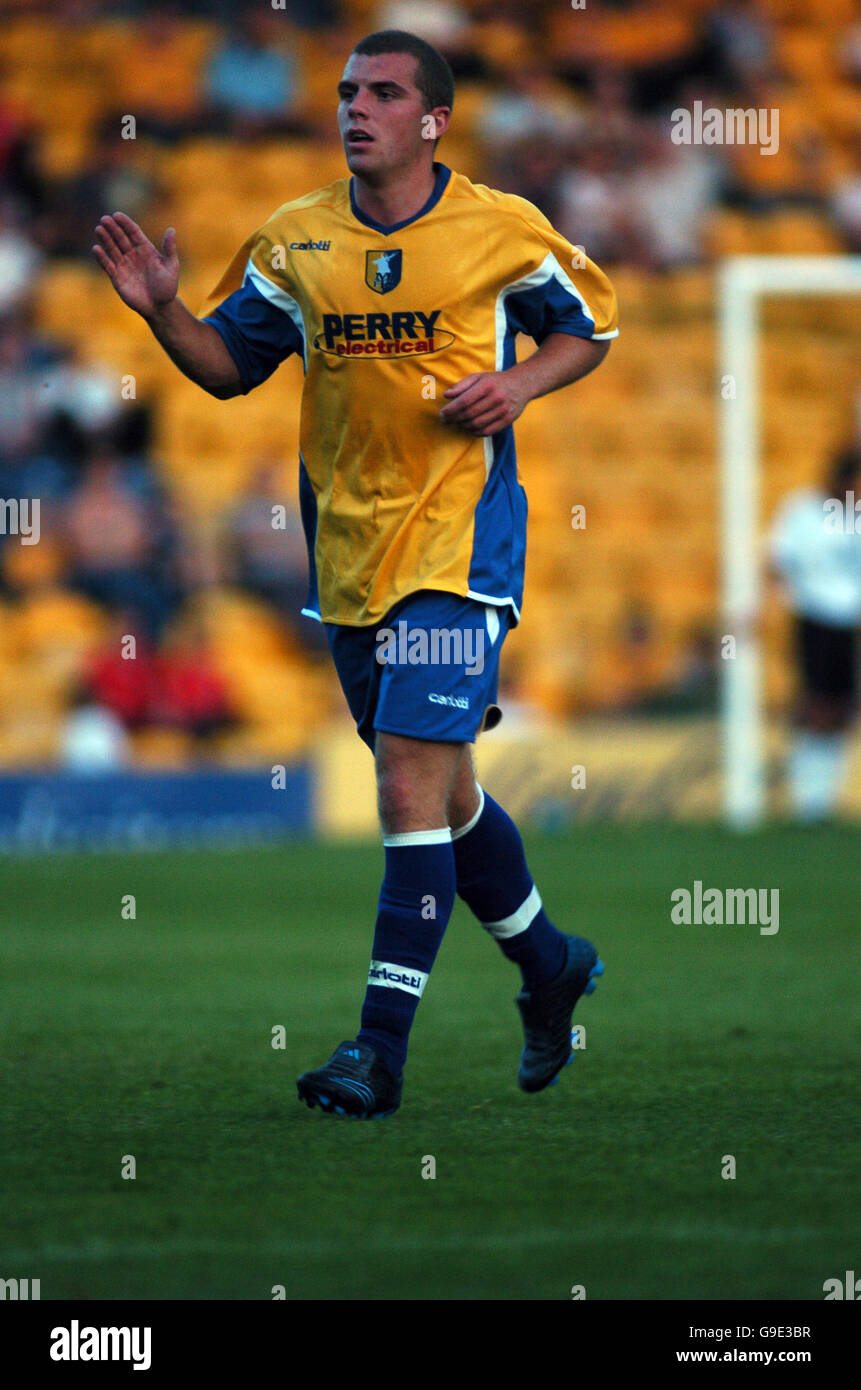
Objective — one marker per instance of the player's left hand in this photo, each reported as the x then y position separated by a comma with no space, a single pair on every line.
484,402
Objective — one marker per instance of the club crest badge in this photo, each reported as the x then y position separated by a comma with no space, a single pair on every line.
383,270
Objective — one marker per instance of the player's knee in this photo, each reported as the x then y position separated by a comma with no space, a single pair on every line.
410,797
404,803
827,715
841,716
463,802
394,794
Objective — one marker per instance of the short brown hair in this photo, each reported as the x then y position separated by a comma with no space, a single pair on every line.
434,77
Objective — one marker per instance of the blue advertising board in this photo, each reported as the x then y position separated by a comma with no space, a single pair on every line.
54,811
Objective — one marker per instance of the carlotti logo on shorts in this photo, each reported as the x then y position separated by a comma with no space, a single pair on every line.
405,333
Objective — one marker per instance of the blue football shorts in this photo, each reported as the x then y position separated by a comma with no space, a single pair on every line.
429,670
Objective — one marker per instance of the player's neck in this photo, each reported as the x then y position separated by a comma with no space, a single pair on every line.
396,199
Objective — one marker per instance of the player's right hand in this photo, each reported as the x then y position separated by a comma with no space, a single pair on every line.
144,278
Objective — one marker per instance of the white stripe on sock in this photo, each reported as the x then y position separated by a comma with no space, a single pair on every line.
465,829
419,837
817,767
518,921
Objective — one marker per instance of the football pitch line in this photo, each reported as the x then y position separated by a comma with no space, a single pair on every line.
143,1250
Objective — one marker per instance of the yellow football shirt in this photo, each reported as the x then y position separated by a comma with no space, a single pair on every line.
386,319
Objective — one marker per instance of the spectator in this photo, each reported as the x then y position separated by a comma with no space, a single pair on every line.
850,52
93,740
178,687
157,74
108,534
190,693
20,259
19,176
314,14
442,23
111,178
593,203
123,679
21,408
845,207
743,37
669,196
270,558
252,84
527,105
613,118
445,24
533,169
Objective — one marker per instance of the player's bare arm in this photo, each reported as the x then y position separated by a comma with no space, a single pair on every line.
486,402
147,280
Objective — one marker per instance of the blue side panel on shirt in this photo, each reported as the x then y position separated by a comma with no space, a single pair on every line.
499,537
258,335
499,540
545,309
308,510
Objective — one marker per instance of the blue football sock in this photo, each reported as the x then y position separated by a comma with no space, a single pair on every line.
416,901
495,883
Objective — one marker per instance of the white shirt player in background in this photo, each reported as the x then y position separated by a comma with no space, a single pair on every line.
815,552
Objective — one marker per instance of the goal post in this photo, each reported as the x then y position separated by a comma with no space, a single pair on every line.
742,282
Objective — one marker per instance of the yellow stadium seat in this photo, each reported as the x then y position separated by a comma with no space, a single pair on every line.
169,749
806,53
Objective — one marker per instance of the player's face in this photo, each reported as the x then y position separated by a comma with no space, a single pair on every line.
380,111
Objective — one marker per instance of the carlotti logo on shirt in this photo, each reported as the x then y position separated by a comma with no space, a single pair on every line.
406,333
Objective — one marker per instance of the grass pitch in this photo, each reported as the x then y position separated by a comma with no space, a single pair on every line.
152,1038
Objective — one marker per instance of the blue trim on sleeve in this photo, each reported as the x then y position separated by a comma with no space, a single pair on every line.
257,334
545,309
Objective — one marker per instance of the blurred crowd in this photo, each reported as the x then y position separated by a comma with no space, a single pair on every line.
569,107
570,110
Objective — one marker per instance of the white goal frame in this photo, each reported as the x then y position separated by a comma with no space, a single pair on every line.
742,282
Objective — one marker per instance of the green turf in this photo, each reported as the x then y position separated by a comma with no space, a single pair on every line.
152,1038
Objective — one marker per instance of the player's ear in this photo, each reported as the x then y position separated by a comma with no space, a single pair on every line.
437,121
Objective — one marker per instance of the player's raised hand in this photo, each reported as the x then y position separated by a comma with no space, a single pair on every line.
485,402
144,278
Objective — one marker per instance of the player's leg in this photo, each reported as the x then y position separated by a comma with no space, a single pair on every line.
414,782
819,751
417,895
495,883
493,879
819,757
415,717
